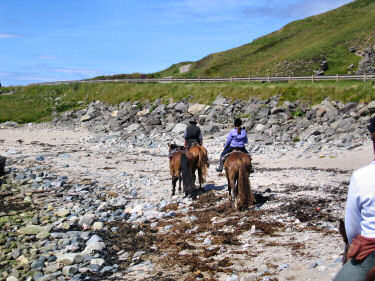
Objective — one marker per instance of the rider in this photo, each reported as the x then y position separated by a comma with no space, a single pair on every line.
236,140
360,222
193,134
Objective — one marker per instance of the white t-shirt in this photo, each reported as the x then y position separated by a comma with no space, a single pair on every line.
360,205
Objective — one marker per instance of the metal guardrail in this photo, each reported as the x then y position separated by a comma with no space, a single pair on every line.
269,79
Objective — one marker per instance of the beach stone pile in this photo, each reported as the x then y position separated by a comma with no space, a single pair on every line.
267,122
55,229
367,64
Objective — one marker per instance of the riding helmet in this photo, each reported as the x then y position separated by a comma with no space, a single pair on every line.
237,122
193,121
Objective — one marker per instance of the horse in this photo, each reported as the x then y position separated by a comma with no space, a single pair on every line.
181,165
237,169
370,276
200,163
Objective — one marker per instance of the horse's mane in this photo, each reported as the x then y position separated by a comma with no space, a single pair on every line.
176,147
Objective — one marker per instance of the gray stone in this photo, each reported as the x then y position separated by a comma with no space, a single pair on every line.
181,107
210,129
138,254
220,101
86,219
69,270
39,158
64,156
133,127
35,229
197,109
179,128
371,107
15,253
70,258
96,246
232,278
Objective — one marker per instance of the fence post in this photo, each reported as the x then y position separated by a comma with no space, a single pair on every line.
268,78
312,78
231,79
184,79
215,80
199,79
337,78
249,79
364,77
290,79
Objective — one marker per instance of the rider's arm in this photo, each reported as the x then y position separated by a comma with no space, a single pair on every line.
353,211
229,139
246,140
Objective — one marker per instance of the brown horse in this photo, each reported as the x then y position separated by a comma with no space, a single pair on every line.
237,168
200,163
181,165
371,273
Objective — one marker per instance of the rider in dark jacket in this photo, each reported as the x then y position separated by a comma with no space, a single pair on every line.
193,134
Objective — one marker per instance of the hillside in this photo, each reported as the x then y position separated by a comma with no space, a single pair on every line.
334,42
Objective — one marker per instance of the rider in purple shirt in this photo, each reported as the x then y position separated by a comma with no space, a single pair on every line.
236,140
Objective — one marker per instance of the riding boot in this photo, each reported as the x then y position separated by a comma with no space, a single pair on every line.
221,164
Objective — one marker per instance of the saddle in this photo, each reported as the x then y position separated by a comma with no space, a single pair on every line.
226,155
175,149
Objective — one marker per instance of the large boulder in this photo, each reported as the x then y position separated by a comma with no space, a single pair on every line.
197,109
179,128
371,107
181,107
210,129
220,101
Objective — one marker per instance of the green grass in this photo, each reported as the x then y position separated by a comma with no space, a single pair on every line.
40,103
296,49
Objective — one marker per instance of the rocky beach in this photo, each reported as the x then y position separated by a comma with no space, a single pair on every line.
88,195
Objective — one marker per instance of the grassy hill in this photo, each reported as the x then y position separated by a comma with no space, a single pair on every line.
296,49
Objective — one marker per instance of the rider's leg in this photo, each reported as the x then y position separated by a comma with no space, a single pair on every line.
221,164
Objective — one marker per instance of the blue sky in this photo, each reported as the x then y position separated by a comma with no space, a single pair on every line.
51,40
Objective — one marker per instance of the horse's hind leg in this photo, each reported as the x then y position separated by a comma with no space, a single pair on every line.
201,180
174,181
179,184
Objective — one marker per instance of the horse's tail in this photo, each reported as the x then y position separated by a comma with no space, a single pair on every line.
187,177
244,192
202,162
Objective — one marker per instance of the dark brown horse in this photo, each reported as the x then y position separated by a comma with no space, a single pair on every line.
180,165
371,274
237,168
200,163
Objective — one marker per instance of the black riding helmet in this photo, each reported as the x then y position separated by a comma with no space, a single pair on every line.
237,122
371,127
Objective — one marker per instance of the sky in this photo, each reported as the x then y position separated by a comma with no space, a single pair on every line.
55,40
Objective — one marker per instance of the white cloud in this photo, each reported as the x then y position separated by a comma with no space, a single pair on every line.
9,35
48,57
292,9
86,72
